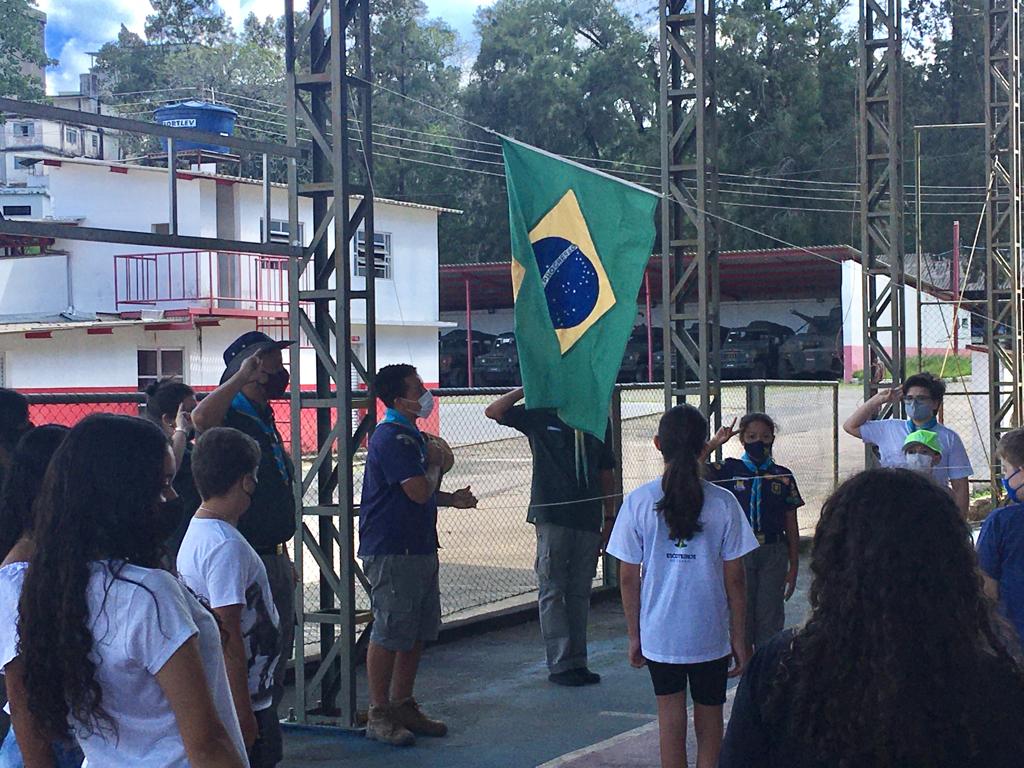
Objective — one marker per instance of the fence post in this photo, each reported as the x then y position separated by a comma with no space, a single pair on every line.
755,397
835,434
610,569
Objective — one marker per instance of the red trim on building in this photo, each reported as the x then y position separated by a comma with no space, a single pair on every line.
52,163
118,169
169,327
224,182
38,334
99,331
186,176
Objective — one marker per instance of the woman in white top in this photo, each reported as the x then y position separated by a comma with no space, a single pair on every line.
108,642
680,542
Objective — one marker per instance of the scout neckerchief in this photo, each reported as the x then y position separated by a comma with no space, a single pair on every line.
582,471
242,404
755,488
930,426
391,416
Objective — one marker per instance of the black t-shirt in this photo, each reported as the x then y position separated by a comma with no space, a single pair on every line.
750,742
557,494
779,493
270,519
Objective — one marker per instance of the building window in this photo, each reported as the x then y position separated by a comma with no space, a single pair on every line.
17,210
156,364
95,143
381,255
160,229
71,135
279,231
24,130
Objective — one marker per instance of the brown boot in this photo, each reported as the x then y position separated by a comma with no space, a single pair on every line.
408,714
382,725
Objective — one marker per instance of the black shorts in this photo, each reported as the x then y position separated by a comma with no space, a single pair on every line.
707,680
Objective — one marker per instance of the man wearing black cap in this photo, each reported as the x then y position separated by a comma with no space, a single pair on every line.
254,376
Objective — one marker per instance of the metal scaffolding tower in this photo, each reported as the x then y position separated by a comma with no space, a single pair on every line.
330,97
1003,218
881,194
689,186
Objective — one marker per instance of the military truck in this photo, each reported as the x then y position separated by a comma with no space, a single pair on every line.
452,360
754,352
816,351
500,366
659,355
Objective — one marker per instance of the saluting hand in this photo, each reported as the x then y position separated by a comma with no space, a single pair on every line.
725,434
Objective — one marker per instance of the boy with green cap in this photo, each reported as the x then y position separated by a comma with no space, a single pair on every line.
922,451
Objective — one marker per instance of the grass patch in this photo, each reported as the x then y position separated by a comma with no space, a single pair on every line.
951,367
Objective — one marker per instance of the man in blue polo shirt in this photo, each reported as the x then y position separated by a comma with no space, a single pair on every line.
398,545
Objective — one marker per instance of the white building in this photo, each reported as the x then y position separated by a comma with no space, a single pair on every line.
91,317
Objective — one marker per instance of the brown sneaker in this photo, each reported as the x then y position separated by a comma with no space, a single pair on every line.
408,714
382,725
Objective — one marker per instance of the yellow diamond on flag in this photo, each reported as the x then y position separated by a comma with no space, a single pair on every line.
575,284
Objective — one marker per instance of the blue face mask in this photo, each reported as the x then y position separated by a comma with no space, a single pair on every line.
1011,493
919,412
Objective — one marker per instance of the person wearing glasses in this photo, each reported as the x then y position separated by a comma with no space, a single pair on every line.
922,396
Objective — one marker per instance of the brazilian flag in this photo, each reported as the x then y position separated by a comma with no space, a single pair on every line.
580,242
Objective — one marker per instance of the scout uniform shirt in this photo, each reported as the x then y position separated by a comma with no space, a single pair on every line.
778,495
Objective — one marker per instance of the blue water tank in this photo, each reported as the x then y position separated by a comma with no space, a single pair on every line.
200,115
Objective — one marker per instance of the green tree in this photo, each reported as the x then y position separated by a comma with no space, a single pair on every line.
187,22
21,50
577,78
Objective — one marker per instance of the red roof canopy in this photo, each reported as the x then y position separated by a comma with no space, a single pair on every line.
777,273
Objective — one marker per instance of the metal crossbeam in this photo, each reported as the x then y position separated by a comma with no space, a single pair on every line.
689,185
881,193
1003,218
323,94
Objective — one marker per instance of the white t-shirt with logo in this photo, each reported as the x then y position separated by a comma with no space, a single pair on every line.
889,435
138,621
684,610
12,576
218,563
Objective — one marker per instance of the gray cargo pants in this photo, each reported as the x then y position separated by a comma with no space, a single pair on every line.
766,568
566,565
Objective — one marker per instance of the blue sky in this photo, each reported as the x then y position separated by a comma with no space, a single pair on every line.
75,27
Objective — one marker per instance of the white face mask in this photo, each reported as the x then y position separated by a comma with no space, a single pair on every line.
426,402
919,462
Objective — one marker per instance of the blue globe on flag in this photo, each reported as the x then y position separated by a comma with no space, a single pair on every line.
570,281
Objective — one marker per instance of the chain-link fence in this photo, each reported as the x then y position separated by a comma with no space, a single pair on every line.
487,554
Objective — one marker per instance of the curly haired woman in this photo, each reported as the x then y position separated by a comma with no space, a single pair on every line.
902,663
108,642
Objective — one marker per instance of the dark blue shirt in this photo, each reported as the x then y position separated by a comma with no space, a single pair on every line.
390,523
1001,556
779,493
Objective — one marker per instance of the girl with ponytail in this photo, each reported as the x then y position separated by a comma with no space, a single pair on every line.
680,543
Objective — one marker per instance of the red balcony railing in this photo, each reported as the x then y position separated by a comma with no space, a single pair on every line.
222,282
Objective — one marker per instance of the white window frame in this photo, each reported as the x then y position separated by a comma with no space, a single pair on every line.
24,130
383,256
95,142
279,231
71,135
8,213
159,365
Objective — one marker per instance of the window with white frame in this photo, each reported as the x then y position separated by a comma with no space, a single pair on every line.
24,130
71,135
381,255
95,143
17,210
279,231
156,364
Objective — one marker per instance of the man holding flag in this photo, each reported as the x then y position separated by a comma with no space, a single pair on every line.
580,242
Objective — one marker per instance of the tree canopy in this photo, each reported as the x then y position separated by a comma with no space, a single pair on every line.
580,78
20,50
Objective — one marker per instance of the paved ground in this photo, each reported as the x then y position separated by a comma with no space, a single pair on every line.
492,690
487,554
